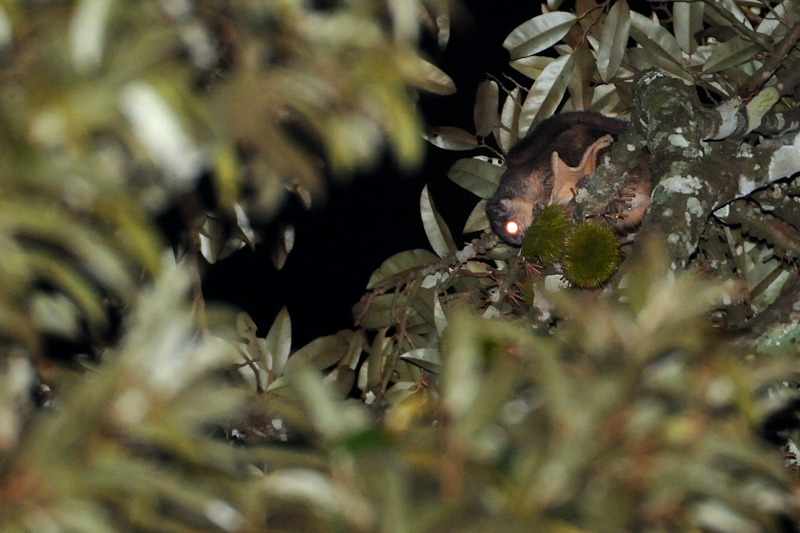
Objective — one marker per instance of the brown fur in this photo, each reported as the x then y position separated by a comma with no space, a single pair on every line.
546,166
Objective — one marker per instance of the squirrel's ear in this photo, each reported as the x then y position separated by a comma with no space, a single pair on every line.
566,178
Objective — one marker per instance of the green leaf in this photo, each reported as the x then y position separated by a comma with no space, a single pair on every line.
774,24
321,353
546,93
477,219
379,350
531,66
485,113
279,341
539,33
507,132
642,59
730,54
613,40
581,82
426,358
385,310
450,138
435,228
479,177
435,80
439,317
687,22
654,38
605,99
400,265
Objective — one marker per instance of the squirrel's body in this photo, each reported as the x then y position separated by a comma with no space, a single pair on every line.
544,166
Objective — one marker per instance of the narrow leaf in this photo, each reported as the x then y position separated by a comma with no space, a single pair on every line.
654,38
730,54
507,132
687,21
439,318
477,176
427,358
279,341
539,33
385,310
643,59
435,80
435,228
546,93
531,66
580,84
450,138
399,266
477,219
613,40
320,353
485,111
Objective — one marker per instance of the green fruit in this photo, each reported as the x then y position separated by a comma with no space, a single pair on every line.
544,240
591,254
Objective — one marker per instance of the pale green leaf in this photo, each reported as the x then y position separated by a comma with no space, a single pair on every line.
279,341
605,99
400,265
88,29
506,132
531,66
461,383
485,111
730,54
427,358
731,7
613,40
539,33
435,228
581,83
245,327
283,247
331,418
435,80
451,138
477,176
439,317
775,23
439,12
687,22
320,353
546,93
477,219
654,38
379,350
385,310
642,59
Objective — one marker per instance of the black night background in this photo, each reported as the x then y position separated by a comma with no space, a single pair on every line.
375,215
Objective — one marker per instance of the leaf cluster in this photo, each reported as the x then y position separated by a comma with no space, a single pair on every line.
478,393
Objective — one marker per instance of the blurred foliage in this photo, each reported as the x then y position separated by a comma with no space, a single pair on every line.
110,113
480,392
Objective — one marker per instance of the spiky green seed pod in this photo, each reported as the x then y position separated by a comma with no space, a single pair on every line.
591,254
544,240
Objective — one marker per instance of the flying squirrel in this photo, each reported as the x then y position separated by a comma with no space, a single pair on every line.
546,166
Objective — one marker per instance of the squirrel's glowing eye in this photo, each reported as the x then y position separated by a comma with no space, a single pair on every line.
512,228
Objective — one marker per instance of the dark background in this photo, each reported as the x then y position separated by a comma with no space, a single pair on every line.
376,215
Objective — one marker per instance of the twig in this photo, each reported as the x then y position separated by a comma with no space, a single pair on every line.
730,17
771,64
